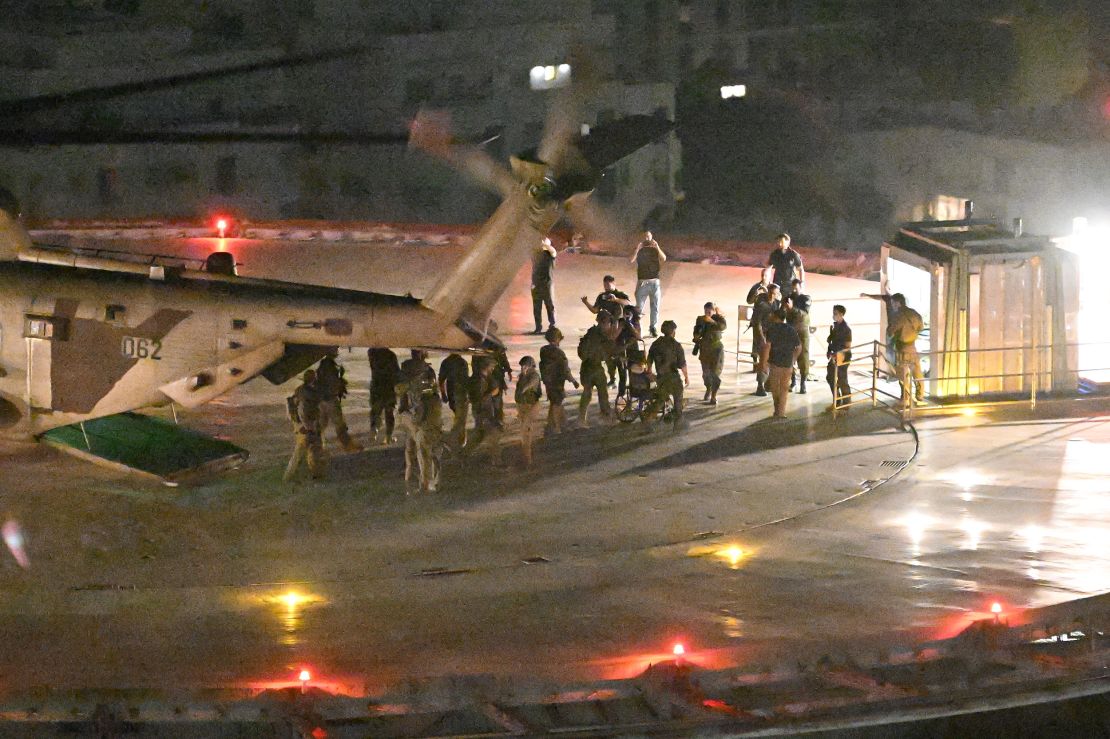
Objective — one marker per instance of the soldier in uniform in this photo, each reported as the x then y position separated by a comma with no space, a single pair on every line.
669,360
761,315
489,410
555,372
593,349
332,386
786,265
759,288
384,376
797,315
622,333
454,380
527,396
416,368
304,411
709,347
904,329
839,354
423,422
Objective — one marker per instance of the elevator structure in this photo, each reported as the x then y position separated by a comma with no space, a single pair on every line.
1000,307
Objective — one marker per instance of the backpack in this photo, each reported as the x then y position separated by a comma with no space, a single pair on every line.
331,378
910,325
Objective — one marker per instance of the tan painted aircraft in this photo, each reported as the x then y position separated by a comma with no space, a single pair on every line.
83,336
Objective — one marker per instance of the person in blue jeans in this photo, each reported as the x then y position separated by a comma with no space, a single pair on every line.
648,258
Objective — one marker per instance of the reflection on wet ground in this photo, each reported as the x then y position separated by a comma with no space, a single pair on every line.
970,524
729,538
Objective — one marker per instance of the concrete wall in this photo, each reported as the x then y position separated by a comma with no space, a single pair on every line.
1044,184
472,58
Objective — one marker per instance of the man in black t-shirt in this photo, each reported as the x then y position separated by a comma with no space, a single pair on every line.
648,258
780,351
454,385
543,278
785,265
610,299
385,372
839,353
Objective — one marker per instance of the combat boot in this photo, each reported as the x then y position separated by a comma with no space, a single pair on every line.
708,392
713,398
582,419
759,389
802,387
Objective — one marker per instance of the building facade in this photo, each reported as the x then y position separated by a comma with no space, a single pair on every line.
475,60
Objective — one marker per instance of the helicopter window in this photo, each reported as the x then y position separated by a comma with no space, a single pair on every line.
114,312
238,324
44,327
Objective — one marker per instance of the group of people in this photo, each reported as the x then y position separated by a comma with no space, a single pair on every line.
411,394
648,258
780,326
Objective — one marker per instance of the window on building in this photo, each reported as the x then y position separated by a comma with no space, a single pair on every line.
548,77
418,90
686,57
1003,175
723,13
948,208
651,18
227,176
106,183
123,7
769,13
723,53
304,9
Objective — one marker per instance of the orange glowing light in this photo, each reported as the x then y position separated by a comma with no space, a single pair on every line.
996,608
679,650
305,676
292,599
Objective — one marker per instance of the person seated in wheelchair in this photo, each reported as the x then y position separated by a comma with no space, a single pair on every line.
641,380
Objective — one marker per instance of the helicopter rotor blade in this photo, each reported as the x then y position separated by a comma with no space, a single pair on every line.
25,137
564,121
596,222
48,101
430,132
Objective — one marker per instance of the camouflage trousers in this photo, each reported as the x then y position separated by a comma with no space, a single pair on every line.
529,428
331,414
593,378
423,450
307,446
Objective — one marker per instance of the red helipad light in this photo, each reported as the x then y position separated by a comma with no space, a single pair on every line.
221,226
996,608
305,676
679,650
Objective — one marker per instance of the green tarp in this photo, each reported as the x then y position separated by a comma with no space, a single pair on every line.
146,445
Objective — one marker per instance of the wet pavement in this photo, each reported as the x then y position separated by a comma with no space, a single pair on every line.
749,542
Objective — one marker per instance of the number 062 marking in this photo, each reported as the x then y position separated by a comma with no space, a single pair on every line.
134,347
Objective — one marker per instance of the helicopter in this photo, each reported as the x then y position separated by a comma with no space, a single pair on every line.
84,337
